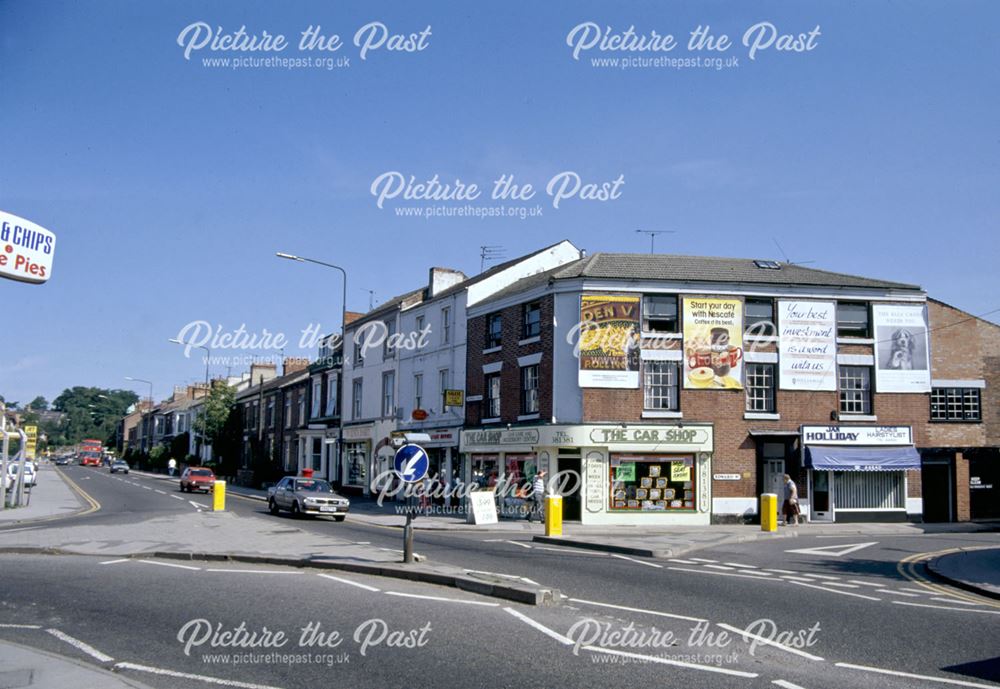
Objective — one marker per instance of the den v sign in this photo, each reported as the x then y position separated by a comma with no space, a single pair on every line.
26,250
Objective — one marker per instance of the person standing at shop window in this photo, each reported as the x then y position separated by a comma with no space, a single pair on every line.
790,507
537,497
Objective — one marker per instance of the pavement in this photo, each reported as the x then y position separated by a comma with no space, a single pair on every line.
52,497
974,569
32,668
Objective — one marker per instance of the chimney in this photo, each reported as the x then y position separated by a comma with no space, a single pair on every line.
294,364
196,391
443,278
262,372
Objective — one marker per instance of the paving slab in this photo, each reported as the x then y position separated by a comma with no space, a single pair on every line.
52,497
31,668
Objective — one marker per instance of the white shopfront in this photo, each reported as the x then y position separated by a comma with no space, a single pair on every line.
608,474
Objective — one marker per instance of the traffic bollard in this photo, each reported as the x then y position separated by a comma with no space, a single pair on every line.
553,515
768,512
219,496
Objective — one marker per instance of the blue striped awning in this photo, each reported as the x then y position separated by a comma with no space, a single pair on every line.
862,458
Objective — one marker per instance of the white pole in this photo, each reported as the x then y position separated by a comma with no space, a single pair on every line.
3,457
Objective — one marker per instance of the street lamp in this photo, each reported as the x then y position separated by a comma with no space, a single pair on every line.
150,425
343,348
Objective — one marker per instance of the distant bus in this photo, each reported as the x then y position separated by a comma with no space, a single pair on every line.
90,452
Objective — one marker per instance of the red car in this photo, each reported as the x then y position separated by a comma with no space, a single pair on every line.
197,478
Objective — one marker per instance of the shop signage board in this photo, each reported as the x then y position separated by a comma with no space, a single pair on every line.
454,398
26,250
597,475
684,438
857,435
902,354
610,341
31,433
726,477
713,343
483,507
807,345
654,436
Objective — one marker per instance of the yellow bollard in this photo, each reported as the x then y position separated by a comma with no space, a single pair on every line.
768,512
219,496
553,515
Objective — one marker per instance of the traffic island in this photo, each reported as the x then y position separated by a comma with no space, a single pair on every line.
976,570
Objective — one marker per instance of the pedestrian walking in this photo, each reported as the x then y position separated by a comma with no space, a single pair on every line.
790,507
537,497
172,466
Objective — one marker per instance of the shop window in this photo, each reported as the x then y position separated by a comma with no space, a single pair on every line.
759,317
760,385
529,390
661,385
650,483
659,314
484,470
855,389
956,404
492,410
494,330
852,319
531,320
869,490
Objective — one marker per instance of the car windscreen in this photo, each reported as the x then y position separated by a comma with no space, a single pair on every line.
201,472
312,486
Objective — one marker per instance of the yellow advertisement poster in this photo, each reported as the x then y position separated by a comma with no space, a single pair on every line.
679,471
713,343
30,441
609,343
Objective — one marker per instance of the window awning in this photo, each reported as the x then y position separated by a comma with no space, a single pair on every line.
862,458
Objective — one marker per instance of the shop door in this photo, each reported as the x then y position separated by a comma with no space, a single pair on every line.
571,500
821,501
938,489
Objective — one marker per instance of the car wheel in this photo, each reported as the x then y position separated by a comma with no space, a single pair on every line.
272,507
339,517
296,512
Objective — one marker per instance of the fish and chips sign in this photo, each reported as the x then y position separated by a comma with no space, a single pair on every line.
26,250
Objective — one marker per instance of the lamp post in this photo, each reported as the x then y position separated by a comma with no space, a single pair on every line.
150,410
343,349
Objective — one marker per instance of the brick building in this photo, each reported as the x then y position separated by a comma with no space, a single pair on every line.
681,388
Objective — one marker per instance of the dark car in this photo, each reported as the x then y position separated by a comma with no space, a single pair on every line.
197,478
302,496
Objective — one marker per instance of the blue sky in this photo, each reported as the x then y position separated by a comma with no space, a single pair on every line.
171,184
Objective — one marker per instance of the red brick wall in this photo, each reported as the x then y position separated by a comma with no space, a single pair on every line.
957,353
510,374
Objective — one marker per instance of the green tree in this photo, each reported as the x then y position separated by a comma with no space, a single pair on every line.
211,422
90,413
39,404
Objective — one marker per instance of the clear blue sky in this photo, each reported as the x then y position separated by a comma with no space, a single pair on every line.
170,185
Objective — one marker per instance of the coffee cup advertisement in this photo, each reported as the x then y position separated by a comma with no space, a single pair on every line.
713,343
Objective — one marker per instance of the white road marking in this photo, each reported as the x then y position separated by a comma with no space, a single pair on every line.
896,673
914,590
443,599
632,559
785,684
566,551
720,574
147,488
756,573
81,646
833,550
842,593
170,564
188,675
764,640
737,565
865,583
842,585
114,562
781,571
728,569
20,626
827,577
954,600
254,571
681,562
366,587
943,607
196,505
523,545
667,661
177,497
505,576
160,491
540,627
628,609
789,577
701,559
899,593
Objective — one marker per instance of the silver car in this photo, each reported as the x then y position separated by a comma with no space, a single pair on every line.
302,496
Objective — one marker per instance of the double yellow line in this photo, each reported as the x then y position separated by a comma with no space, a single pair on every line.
93,504
910,568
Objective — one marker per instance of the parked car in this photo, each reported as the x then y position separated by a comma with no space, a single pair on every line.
197,478
30,478
119,465
302,496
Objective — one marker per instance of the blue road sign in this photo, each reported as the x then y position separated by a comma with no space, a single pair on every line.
411,463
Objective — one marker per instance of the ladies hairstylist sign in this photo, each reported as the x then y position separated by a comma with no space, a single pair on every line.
26,249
